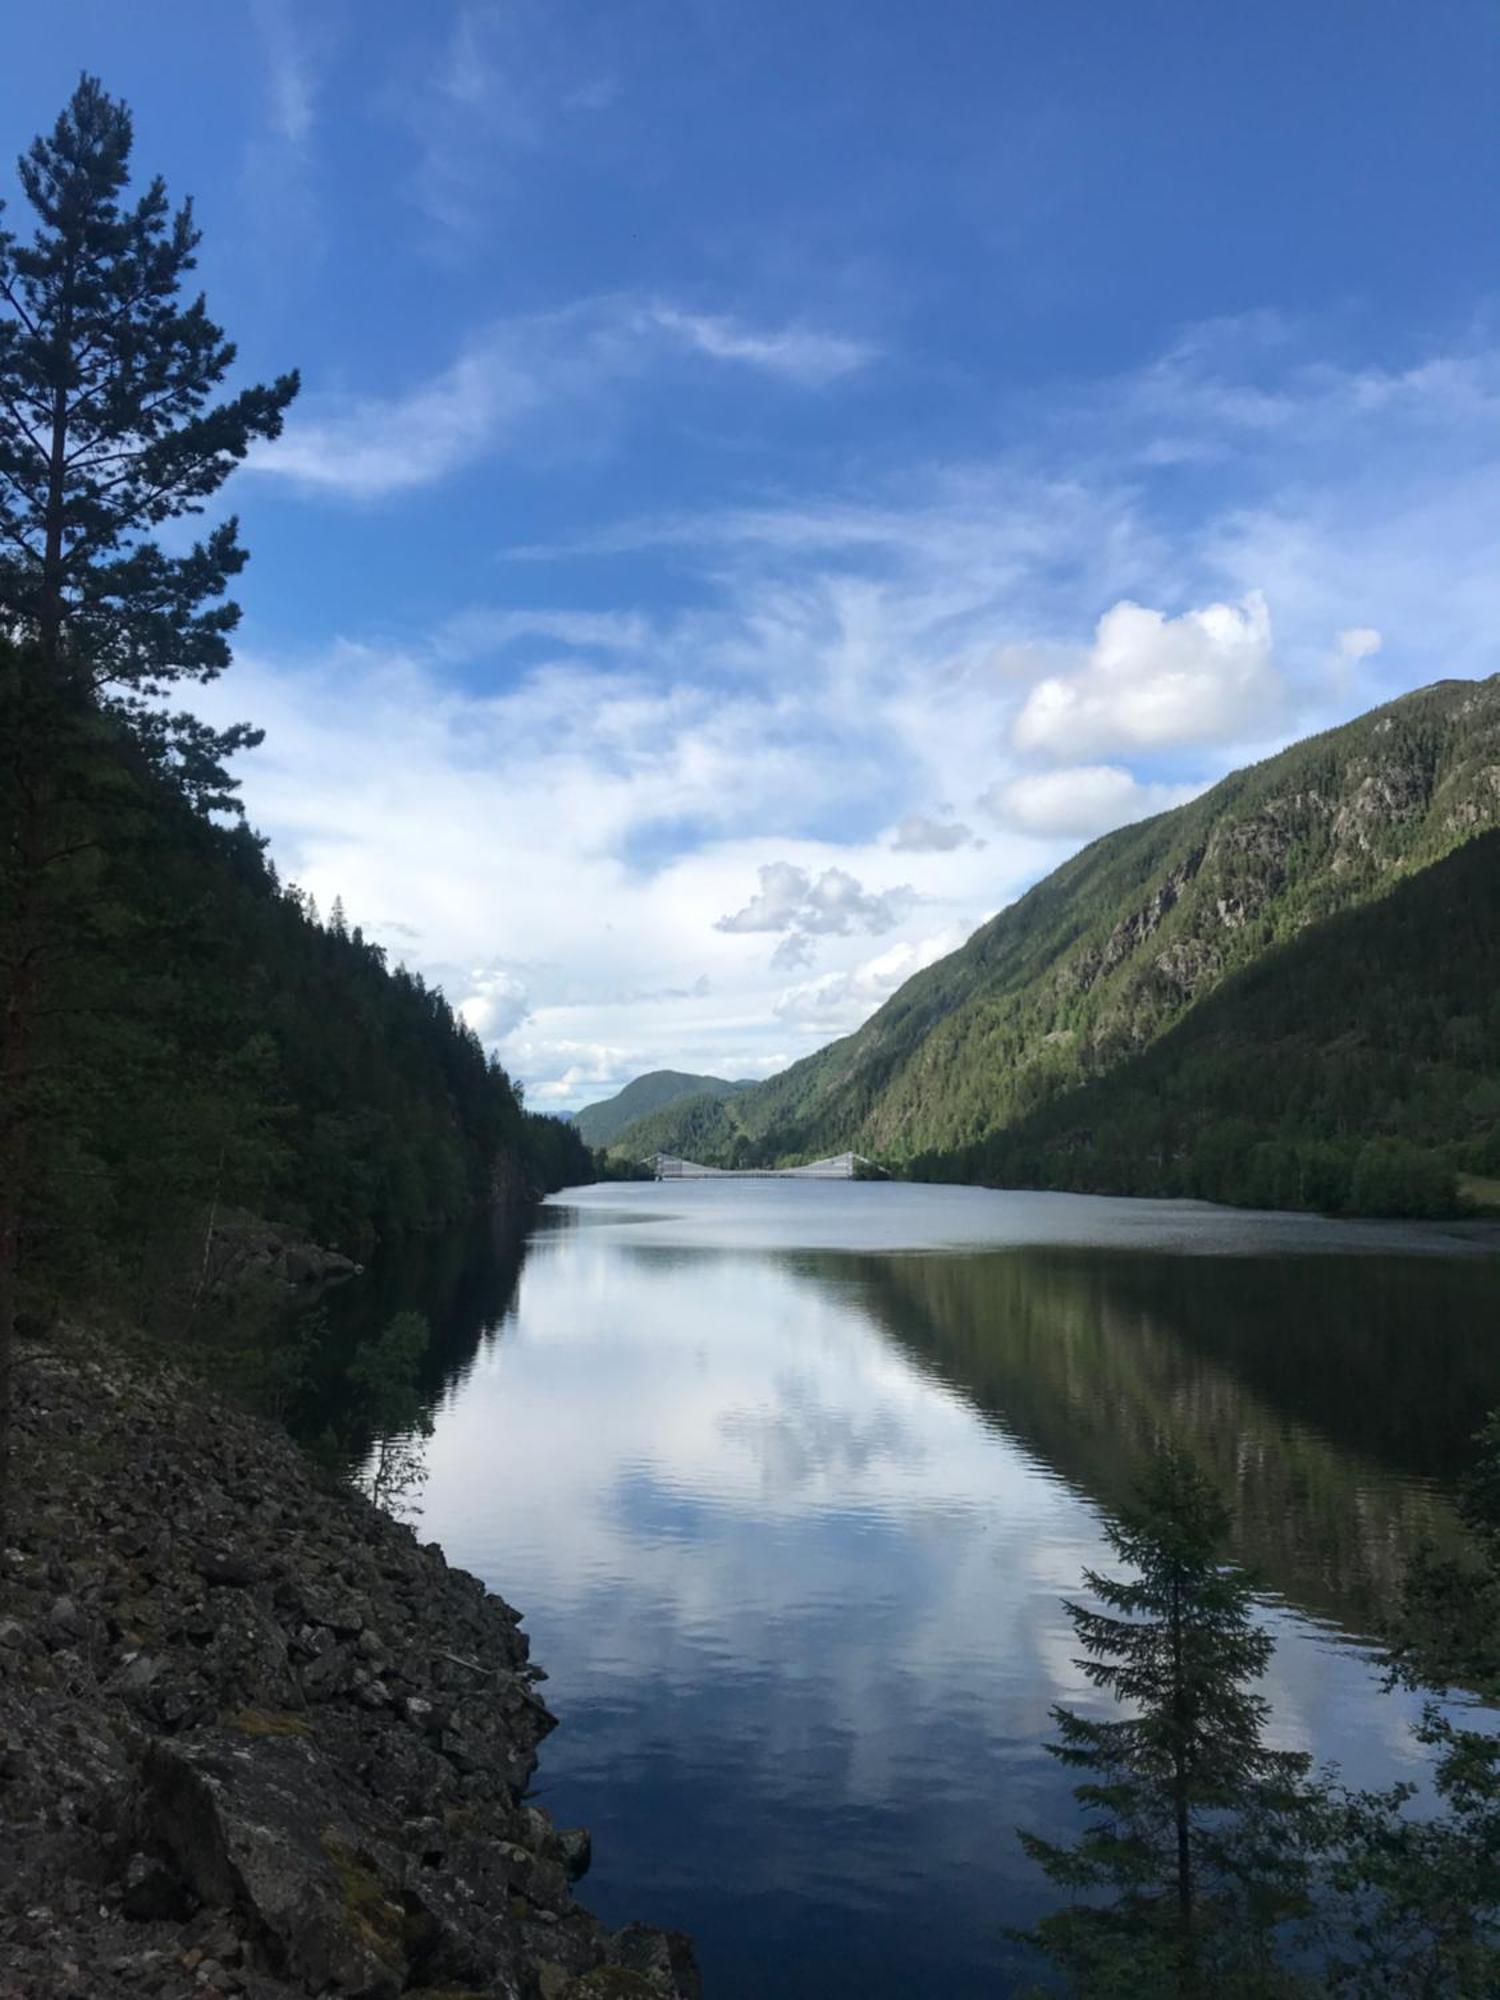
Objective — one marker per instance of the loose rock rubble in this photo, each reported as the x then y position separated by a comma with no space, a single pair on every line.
254,1739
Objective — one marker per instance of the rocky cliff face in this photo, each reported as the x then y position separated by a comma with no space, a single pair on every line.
254,1739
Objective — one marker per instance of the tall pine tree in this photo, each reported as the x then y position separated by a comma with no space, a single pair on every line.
1195,1827
109,428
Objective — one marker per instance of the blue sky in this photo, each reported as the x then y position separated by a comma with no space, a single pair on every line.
772,480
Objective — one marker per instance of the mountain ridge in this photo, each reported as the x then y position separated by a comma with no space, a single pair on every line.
652,1091
1097,961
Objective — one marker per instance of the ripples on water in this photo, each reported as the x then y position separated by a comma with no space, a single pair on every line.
790,1479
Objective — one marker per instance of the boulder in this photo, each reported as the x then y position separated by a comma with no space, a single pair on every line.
252,1828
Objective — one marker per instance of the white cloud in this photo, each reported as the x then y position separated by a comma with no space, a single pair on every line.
277,184
800,353
1081,799
1359,642
592,1064
791,902
291,74
372,446
502,86
1152,682
580,805
496,1004
507,381
838,1001
920,834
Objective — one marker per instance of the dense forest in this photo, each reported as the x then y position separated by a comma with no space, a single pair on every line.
184,1045
993,1063
212,1047
1356,1068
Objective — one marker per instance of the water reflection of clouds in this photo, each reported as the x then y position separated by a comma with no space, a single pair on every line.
800,1601
800,1439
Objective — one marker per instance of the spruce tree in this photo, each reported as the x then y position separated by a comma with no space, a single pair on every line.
109,429
1195,1827
1413,1901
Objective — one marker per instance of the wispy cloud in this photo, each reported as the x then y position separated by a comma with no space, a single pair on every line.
290,70
504,82
519,372
799,353
373,446
276,176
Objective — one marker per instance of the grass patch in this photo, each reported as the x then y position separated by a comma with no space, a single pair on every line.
379,1923
266,1722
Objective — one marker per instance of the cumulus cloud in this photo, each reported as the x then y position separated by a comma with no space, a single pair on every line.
1080,799
1151,682
919,834
802,908
496,1004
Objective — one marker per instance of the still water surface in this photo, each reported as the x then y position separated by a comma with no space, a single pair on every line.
789,1480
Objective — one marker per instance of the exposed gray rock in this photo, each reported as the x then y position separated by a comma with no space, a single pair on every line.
254,1739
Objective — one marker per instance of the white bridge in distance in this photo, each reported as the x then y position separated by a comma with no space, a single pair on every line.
842,1167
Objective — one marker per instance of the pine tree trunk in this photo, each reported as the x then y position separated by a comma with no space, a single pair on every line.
28,842
31,804
15,1038
1187,1942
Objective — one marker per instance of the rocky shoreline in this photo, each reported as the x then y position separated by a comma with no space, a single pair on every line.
256,1740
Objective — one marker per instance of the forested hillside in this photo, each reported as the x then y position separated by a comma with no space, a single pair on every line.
602,1123
1354,1068
213,1046
181,1040
1095,964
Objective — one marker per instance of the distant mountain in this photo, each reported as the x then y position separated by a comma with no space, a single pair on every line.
601,1124
1097,964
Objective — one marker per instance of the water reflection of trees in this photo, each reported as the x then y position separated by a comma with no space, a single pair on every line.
462,1282
1333,1399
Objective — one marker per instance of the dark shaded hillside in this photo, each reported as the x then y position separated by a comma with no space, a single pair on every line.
1097,962
602,1123
214,1049
1352,1068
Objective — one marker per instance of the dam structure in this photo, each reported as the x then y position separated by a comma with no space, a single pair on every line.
841,1167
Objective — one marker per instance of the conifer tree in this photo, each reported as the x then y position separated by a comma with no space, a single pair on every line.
1195,1827
1413,1902
108,430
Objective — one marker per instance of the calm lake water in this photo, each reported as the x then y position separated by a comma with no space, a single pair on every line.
790,1479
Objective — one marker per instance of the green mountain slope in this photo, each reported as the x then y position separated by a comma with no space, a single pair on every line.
1354,1067
1092,966
600,1124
